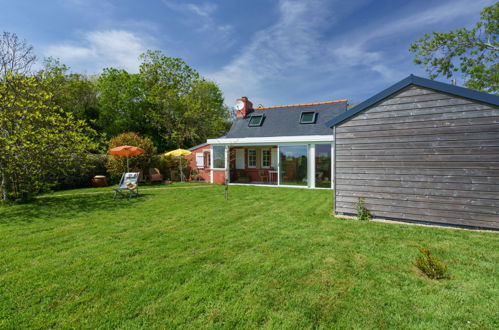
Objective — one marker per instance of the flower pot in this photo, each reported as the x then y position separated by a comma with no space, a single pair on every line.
99,181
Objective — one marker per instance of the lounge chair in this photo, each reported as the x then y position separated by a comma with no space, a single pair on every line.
128,185
155,175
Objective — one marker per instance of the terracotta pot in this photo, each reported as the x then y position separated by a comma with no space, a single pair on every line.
99,181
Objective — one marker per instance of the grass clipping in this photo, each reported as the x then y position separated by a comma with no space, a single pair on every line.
431,266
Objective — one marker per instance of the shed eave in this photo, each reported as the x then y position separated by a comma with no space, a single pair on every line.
418,81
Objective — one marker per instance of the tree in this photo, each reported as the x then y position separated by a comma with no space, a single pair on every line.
121,102
16,56
183,108
473,52
38,139
167,101
73,92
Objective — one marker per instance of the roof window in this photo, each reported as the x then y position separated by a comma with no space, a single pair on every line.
255,120
308,117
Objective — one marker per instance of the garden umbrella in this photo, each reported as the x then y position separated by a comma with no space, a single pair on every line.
126,151
179,153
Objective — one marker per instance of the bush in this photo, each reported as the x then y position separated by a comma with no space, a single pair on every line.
169,165
82,178
431,266
116,165
362,212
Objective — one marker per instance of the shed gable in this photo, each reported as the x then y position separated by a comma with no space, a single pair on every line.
421,155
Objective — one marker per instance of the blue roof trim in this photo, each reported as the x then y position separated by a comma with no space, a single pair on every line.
423,82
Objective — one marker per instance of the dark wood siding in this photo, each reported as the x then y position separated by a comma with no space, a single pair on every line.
421,155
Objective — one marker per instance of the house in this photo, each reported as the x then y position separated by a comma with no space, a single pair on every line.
287,145
421,150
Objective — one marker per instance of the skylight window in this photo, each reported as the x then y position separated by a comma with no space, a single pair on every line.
255,121
308,117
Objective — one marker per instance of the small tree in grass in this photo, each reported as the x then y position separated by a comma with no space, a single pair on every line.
431,266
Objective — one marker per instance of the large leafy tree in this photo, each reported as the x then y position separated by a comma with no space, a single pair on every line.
473,52
121,102
73,92
167,101
38,139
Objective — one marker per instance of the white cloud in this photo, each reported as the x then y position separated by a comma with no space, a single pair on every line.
359,47
202,17
299,50
116,48
290,42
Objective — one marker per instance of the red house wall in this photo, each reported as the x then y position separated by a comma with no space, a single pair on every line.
203,172
218,176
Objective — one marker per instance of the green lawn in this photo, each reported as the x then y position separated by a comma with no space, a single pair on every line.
268,257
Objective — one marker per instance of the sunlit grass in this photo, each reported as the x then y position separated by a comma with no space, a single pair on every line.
268,257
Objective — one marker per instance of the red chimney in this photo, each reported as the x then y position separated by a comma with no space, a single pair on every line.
243,106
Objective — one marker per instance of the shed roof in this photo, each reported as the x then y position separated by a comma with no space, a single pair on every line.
418,81
285,120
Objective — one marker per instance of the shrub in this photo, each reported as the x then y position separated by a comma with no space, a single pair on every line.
82,178
362,212
431,266
116,165
169,165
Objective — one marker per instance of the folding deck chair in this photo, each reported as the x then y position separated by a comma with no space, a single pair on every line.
128,185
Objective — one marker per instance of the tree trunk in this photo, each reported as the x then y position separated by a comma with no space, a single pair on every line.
3,187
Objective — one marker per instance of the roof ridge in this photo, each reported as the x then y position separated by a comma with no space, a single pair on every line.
301,104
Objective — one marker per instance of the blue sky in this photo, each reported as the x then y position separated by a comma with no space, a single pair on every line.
274,52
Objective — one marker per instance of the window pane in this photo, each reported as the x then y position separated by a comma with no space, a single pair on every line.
251,158
307,117
265,158
323,165
255,121
293,165
218,157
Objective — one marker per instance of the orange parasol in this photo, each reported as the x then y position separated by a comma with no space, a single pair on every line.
126,151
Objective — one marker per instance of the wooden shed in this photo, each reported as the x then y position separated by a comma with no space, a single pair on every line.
421,151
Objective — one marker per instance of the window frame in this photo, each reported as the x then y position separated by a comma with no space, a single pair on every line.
213,160
200,162
258,124
263,157
207,159
314,119
248,158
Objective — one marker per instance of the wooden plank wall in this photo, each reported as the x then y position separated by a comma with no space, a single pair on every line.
421,155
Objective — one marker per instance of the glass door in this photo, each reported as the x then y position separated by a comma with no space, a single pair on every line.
323,165
293,165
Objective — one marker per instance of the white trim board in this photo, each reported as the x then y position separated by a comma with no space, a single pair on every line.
272,140
275,185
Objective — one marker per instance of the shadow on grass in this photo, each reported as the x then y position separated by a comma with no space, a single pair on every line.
65,207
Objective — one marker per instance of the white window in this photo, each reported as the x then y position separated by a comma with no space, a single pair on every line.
199,159
265,158
218,156
207,159
252,158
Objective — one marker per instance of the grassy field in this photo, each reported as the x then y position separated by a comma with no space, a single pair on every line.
268,257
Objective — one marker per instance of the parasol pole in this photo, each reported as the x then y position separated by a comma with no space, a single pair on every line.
127,168
180,168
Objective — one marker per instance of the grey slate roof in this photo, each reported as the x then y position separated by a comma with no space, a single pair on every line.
198,146
418,81
285,121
